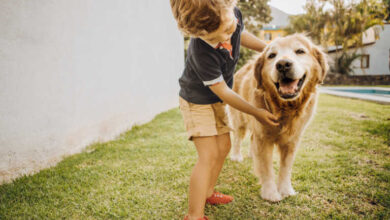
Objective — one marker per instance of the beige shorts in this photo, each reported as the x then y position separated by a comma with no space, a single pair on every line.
204,120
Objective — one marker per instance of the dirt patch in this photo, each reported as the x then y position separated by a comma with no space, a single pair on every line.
359,116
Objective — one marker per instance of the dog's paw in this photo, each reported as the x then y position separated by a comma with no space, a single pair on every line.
286,190
271,194
236,157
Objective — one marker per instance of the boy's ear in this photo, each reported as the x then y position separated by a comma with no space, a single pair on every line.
258,69
323,61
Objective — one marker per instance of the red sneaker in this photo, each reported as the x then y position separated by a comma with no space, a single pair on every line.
204,218
218,198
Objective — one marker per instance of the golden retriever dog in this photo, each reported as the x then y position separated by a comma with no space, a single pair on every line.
282,80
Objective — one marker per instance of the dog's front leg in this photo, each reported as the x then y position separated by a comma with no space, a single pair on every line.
287,154
262,152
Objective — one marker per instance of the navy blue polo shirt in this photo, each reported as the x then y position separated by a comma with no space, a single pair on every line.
205,66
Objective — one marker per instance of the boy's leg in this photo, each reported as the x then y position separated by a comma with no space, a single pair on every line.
224,145
207,149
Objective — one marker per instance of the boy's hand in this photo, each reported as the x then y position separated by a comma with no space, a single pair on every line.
266,118
234,100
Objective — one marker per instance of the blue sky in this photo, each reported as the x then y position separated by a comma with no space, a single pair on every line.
289,6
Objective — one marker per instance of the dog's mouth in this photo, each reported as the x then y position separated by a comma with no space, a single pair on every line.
289,88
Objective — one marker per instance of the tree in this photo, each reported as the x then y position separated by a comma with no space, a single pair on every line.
387,2
255,14
312,23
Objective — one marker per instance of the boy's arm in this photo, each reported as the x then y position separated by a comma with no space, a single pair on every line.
250,41
234,100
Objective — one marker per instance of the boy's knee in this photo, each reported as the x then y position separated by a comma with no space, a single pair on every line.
210,160
224,150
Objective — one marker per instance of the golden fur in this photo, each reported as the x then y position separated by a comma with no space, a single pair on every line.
255,82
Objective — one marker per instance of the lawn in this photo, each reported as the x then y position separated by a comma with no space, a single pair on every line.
342,170
383,86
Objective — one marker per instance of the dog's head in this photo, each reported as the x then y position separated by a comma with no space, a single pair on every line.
290,64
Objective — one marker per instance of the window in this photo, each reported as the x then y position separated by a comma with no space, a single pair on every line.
268,36
365,61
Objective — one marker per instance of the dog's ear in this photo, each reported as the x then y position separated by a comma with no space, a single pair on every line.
323,61
258,69
320,56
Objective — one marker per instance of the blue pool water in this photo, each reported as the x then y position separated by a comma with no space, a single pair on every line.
376,94
365,91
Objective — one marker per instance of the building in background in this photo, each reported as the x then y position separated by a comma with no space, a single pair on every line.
374,55
274,29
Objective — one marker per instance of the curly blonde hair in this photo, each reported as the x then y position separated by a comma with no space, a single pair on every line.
199,17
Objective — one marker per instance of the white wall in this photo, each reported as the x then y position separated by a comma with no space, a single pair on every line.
379,52
379,55
74,72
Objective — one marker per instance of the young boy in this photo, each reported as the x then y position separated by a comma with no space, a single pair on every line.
216,28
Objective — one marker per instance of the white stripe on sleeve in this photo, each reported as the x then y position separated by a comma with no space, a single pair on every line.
212,82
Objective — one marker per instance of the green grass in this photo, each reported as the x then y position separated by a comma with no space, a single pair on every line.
342,170
384,86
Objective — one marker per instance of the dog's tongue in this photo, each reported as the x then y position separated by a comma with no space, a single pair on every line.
288,87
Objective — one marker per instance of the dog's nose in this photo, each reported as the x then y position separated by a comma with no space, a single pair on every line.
284,66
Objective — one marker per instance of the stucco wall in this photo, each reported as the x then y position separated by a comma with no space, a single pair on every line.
379,55
74,72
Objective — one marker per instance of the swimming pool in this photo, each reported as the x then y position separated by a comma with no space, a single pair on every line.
376,94
367,91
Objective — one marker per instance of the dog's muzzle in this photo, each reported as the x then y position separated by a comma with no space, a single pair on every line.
287,86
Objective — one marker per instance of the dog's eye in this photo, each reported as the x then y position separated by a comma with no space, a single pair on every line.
300,51
272,55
